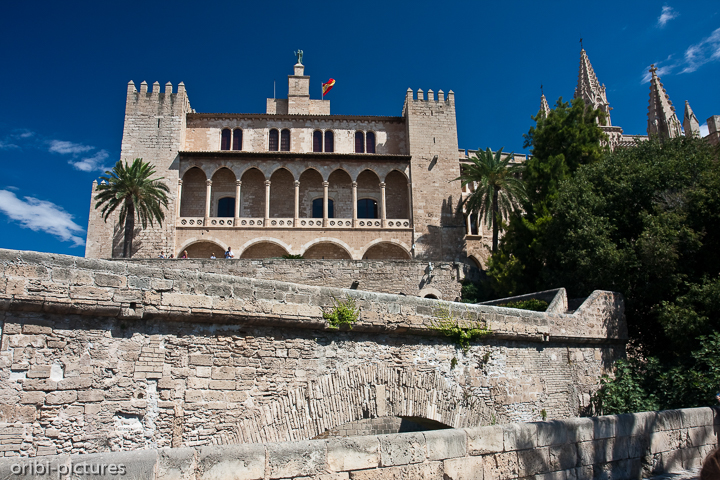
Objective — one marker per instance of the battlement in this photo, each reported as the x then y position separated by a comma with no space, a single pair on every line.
131,90
409,96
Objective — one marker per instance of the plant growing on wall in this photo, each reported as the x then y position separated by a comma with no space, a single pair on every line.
532,304
461,334
131,188
343,312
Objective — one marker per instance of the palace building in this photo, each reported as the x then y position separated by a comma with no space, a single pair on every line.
298,180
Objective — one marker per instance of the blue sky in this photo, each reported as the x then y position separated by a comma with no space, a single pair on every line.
66,66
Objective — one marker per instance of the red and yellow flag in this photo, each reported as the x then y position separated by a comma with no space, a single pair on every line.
327,86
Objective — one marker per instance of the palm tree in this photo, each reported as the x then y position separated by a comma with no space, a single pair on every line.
499,189
132,189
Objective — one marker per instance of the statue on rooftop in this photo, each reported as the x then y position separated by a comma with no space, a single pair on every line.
299,55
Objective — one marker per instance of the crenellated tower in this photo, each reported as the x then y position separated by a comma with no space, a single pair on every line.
154,130
662,120
433,144
691,125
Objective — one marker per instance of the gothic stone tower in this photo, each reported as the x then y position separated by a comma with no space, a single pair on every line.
154,130
433,145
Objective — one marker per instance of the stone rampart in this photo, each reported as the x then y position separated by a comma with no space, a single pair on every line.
102,355
400,277
619,447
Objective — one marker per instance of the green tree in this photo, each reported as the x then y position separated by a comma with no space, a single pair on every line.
131,188
498,188
560,142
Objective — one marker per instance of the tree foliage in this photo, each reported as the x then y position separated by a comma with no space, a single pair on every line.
131,188
499,190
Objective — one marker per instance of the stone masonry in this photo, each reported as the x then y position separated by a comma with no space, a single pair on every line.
106,355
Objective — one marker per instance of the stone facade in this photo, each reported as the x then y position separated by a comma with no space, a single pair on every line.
619,447
102,355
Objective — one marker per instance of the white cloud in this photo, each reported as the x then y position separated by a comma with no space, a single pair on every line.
704,132
92,163
668,13
708,50
5,145
62,147
662,70
41,216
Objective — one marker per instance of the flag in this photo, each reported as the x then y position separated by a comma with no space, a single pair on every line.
328,86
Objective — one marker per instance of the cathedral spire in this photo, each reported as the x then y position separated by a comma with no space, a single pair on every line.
544,107
690,122
662,120
589,89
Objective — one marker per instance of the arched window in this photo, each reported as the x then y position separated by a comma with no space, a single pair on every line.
225,139
359,142
329,141
237,139
285,140
226,207
370,142
273,140
317,141
367,208
317,208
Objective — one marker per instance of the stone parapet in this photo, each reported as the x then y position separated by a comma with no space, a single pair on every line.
49,283
623,447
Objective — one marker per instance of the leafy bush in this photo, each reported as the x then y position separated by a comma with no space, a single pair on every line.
293,257
460,335
533,304
342,313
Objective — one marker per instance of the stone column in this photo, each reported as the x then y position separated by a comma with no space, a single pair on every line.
383,215
208,196
267,203
468,222
179,197
410,209
354,200
297,203
325,203
238,197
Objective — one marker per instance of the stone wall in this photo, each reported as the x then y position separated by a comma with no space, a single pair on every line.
384,276
614,447
105,355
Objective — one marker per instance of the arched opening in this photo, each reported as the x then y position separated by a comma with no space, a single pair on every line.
253,194
273,140
327,251
223,186
396,195
203,249
317,141
368,188
340,190
310,189
317,208
329,141
282,201
192,202
386,251
237,139
285,140
264,250
370,143
431,296
225,139
359,142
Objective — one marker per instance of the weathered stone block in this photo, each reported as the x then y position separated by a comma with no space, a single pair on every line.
74,383
39,371
36,398
291,459
61,398
484,439
563,457
466,468
426,471
533,461
91,396
604,427
30,329
221,384
554,432
135,464
223,373
353,453
443,444
402,448
519,436
176,464
697,417
205,360
500,466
